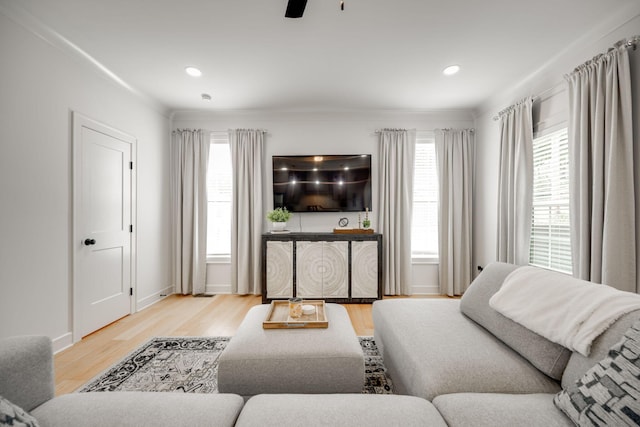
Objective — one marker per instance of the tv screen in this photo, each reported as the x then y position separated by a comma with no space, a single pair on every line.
322,183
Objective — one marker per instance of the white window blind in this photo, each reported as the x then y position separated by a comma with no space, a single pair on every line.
219,181
550,233
424,230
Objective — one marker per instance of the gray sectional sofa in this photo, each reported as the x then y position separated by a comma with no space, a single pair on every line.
476,366
27,398
454,362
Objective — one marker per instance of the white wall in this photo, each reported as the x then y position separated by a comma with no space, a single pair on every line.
553,104
291,133
40,85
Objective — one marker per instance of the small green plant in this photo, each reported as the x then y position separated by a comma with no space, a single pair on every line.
366,223
279,215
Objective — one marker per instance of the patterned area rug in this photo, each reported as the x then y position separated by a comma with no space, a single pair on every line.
190,365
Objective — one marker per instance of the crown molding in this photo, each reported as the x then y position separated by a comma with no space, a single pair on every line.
549,75
320,115
20,16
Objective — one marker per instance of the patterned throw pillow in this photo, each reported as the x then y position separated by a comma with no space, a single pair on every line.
12,415
609,393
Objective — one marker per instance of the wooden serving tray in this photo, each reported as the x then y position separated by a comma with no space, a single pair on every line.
353,230
278,316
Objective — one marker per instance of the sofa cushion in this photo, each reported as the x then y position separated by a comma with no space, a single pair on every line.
549,357
578,364
430,348
138,409
609,392
500,410
283,410
26,370
568,311
13,415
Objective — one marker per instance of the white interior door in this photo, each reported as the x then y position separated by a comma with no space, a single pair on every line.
103,231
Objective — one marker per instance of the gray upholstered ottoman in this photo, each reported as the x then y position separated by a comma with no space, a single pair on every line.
259,360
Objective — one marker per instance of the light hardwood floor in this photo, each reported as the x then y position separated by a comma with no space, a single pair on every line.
175,315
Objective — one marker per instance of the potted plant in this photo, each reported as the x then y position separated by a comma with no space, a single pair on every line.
366,223
279,218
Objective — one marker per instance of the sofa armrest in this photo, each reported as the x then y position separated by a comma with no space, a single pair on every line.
26,370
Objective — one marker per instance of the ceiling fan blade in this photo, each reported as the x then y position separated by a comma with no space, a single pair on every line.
295,8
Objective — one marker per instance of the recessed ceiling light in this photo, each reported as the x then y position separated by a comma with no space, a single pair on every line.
206,97
193,71
451,70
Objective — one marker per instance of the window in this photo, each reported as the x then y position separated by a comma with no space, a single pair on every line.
219,179
424,230
550,234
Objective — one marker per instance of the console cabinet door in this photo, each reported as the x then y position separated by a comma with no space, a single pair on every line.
279,269
335,278
322,269
364,269
309,269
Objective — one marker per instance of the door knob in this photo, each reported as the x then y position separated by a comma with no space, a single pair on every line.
89,242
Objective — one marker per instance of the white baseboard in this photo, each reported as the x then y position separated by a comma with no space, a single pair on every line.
218,289
425,290
146,302
62,342
65,341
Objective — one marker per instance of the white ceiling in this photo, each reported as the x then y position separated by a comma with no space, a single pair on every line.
377,54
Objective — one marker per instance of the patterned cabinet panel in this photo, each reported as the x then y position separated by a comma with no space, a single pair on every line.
336,267
309,269
279,265
364,269
335,279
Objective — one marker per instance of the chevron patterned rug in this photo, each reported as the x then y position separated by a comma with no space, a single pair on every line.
190,365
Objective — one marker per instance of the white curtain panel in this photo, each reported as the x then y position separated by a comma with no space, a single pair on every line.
247,211
602,171
455,157
395,205
189,155
515,183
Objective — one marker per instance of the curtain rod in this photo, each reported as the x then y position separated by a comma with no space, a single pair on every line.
447,129
534,97
631,43
390,129
259,130
425,130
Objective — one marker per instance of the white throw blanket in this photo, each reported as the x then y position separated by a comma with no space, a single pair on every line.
567,311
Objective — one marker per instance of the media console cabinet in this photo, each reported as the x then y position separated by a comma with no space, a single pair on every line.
342,268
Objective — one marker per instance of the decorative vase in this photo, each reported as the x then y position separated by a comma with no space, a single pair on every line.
278,226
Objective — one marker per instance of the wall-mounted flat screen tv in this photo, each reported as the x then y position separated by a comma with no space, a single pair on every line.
322,183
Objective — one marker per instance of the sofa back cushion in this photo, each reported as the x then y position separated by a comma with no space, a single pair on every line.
578,364
548,357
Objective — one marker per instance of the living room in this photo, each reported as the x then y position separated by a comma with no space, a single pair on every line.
50,76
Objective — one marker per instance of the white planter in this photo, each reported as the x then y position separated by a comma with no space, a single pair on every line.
278,226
